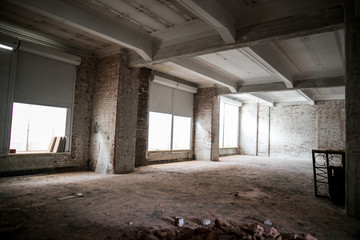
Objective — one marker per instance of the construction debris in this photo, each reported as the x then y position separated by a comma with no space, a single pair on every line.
179,221
221,230
206,222
75,195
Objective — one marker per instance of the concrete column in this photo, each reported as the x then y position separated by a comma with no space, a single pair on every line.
114,116
206,118
82,112
142,118
104,111
352,102
126,119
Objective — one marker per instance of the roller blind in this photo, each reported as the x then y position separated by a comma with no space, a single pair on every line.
183,103
170,100
44,81
160,98
5,61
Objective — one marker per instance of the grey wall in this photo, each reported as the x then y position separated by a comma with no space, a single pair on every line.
291,131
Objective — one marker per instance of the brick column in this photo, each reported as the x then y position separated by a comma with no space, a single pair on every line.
206,119
114,116
352,106
142,118
82,112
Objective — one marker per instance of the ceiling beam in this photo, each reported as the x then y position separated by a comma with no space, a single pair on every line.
308,95
213,75
328,82
82,20
263,97
314,21
259,56
215,15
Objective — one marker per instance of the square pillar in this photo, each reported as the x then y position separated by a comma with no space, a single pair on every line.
206,120
352,106
143,118
114,116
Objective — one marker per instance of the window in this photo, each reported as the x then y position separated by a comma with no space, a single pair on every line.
229,125
168,132
36,98
181,133
170,118
34,126
159,131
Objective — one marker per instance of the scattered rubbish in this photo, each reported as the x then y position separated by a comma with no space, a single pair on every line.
206,222
231,230
221,222
179,221
237,194
273,232
130,223
75,195
267,222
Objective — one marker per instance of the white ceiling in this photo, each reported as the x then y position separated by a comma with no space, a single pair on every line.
273,51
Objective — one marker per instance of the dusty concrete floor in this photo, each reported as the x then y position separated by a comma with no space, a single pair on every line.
278,190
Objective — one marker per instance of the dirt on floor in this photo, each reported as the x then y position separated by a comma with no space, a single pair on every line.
239,197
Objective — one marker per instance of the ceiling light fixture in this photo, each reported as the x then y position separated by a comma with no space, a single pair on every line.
6,47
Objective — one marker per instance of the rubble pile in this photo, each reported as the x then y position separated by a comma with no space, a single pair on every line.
221,230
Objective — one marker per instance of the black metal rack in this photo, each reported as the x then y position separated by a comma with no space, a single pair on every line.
329,174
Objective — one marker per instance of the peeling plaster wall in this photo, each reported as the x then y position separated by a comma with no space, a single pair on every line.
294,130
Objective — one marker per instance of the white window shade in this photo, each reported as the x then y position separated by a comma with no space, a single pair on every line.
161,98
183,103
165,99
44,81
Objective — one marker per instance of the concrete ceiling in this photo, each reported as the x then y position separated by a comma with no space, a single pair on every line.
273,51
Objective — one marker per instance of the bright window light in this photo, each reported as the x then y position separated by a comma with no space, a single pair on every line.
33,126
159,131
229,125
6,47
182,133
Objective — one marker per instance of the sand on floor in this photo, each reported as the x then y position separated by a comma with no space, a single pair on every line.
238,189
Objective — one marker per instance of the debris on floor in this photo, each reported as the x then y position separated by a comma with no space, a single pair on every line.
221,230
179,221
206,222
75,195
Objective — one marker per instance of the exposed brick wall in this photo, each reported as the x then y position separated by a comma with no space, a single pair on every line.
142,118
206,129
103,125
294,130
331,124
81,128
